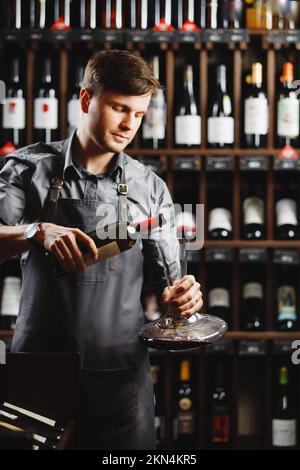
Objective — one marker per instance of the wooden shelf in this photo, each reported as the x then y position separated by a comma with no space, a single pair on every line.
174,152
295,244
263,335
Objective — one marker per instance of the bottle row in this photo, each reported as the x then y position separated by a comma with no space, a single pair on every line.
161,15
252,297
187,118
219,406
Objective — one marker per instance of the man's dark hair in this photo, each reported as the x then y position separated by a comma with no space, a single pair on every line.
119,71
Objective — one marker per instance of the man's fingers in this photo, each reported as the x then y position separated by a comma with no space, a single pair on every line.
76,253
88,242
67,255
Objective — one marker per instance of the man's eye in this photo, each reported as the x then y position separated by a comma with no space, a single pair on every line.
118,108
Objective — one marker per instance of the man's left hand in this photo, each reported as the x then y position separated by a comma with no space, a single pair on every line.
184,297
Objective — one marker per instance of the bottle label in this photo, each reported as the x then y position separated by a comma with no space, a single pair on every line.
253,211
46,113
288,117
286,211
154,121
287,303
220,130
218,297
14,113
256,116
253,290
188,130
74,113
284,432
185,422
219,218
221,428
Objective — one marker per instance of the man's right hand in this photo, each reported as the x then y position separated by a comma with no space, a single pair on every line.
62,242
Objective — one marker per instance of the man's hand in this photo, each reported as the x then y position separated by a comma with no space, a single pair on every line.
185,296
62,242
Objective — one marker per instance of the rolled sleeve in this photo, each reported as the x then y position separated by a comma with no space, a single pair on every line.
14,182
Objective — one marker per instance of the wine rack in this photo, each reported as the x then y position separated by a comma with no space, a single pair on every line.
179,166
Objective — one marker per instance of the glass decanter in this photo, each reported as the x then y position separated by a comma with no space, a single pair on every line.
172,332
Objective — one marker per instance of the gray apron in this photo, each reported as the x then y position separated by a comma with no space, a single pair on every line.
98,313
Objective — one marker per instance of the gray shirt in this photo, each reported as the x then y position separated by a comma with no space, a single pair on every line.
25,185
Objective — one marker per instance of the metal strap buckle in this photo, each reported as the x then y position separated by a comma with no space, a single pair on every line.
123,189
56,183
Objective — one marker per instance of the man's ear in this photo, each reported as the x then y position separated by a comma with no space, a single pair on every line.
85,99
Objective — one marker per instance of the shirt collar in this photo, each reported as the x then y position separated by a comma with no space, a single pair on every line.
118,162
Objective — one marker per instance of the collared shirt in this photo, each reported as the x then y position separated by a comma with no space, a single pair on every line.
25,186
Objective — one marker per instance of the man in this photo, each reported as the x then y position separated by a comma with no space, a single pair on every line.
95,310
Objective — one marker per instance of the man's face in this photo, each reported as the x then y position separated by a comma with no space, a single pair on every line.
112,119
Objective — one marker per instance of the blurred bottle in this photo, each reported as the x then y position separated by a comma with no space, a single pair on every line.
154,123
230,14
286,315
219,423
14,108
287,109
185,408
284,422
187,119
256,118
220,127
74,112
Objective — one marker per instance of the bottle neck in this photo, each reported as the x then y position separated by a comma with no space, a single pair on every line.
188,81
47,72
15,71
283,376
221,79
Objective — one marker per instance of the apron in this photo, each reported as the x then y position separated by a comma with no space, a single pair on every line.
98,313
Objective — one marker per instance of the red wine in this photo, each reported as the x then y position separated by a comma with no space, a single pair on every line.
46,106
14,108
287,109
256,111
220,115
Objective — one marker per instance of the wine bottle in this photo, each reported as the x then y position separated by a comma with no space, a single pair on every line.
202,19
252,306
113,15
185,408
258,14
158,408
46,106
219,432
187,120
212,14
219,303
114,239
89,14
256,111
13,118
154,123
287,226
38,14
220,115
231,14
284,424
254,220
287,109
286,315
60,14
219,224
74,107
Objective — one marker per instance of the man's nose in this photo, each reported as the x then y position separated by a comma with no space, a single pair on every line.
127,123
